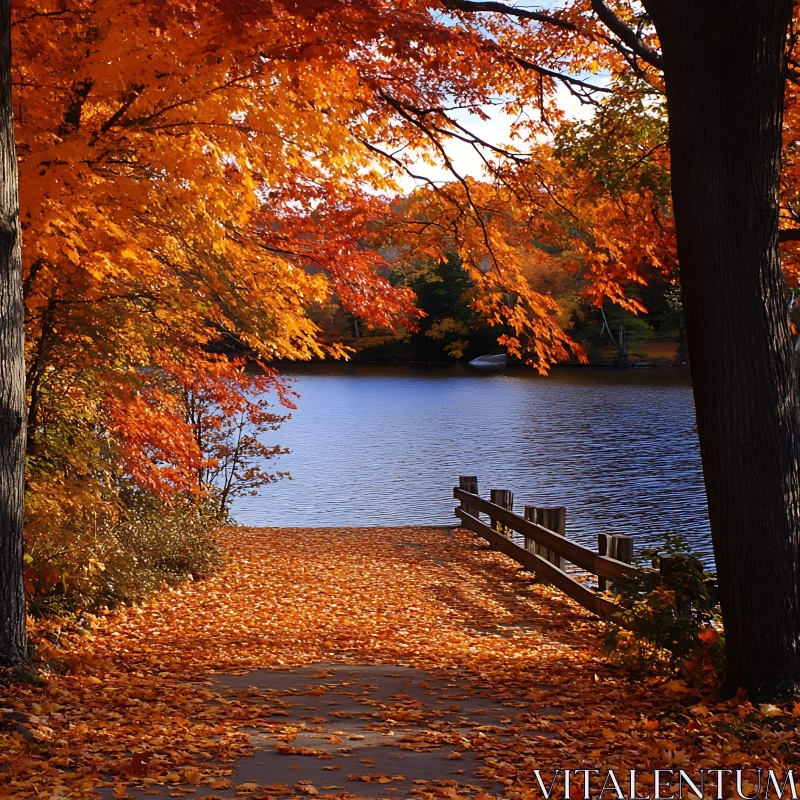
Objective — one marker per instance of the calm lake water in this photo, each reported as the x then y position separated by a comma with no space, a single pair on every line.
384,445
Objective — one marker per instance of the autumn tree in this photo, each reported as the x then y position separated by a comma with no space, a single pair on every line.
162,209
724,68
724,71
12,375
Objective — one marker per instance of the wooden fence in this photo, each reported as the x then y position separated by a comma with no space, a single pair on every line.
546,547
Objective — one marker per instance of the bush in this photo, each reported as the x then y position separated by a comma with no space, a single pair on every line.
118,554
674,615
126,490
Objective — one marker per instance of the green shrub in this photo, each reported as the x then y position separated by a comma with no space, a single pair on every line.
674,616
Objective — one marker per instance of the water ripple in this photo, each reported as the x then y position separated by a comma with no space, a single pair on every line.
385,446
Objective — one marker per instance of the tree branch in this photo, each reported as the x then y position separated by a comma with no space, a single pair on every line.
127,101
789,235
569,81
72,116
472,6
629,37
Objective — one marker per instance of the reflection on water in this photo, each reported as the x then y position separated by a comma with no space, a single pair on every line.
385,445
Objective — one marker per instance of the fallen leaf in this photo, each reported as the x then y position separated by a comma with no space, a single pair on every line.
193,776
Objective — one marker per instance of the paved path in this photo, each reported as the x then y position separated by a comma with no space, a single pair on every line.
371,730
378,730
359,663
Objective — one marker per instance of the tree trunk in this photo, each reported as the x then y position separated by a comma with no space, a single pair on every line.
723,62
12,375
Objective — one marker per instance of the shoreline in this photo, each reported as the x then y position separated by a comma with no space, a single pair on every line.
653,364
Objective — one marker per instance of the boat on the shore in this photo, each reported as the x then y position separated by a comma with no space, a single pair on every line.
491,362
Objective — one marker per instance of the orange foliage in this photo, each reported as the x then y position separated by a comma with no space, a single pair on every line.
170,174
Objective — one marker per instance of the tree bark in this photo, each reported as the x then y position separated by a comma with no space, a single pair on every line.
12,375
723,64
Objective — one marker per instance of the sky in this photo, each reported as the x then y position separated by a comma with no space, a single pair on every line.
497,129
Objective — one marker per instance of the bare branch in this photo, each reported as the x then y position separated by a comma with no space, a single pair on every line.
457,130
581,89
45,14
472,6
629,37
128,100
403,111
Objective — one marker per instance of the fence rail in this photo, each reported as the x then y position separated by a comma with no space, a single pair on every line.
546,550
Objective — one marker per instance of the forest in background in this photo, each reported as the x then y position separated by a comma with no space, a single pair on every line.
452,330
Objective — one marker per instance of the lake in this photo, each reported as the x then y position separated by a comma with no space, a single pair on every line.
384,445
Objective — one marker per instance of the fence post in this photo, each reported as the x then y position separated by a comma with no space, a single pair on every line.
623,550
504,498
605,547
617,546
469,483
668,566
554,519
530,513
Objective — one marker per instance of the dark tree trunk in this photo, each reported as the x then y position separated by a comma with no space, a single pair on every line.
12,375
723,62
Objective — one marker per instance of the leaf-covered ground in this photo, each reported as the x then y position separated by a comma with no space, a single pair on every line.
354,662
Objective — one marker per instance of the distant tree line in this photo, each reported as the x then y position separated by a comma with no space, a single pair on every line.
452,330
